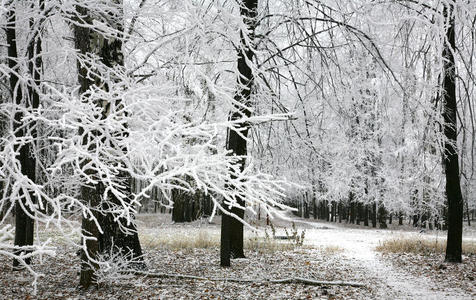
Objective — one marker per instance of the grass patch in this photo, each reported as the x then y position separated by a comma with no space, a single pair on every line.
204,239
263,244
180,240
332,250
420,246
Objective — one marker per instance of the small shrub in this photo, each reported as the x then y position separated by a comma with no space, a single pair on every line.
116,265
295,236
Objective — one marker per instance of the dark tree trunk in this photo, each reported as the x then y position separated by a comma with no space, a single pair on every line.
24,226
339,208
382,216
326,203
89,194
116,240
322,210
333,211
235,142
352,213
113,239
225,243
178,207
400,218
314,206
306,210
374,215
366,215
89,229
416,218
467,213
359,213
453,188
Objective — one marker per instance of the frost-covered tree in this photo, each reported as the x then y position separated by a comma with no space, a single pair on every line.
236,139
120,105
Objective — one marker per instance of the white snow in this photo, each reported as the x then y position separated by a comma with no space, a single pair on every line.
359,249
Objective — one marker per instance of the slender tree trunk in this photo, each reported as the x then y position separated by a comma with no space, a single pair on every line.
314,204
359,213
374,214
225,243
382,216
468,214
352,213
340,212
453,188
24,226
366,215
235,142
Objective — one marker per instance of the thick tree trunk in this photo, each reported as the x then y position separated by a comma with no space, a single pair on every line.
89,231
113,239
178,207
89,194
235,142
453,188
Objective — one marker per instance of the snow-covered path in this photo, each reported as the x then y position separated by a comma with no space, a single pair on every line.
359,250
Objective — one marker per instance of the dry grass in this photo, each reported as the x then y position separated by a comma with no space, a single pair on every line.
268,245
180,240
332,250
420,246
204,239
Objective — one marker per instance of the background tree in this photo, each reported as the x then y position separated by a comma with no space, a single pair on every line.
451,160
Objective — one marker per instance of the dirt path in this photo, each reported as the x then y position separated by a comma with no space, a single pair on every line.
388,282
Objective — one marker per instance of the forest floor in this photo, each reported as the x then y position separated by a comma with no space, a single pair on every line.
331,252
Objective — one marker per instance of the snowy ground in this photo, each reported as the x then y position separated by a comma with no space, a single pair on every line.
331,252
393,280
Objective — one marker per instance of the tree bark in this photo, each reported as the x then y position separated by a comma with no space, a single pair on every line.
374,214
235,142
382,216
366,215
453,188
24,225
113,239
